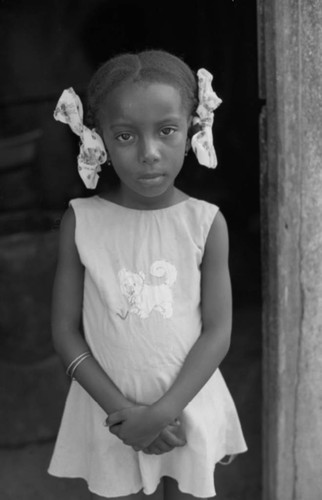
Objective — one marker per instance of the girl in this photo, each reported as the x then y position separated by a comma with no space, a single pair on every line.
142,300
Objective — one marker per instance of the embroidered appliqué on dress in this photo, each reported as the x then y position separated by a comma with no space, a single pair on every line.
143,297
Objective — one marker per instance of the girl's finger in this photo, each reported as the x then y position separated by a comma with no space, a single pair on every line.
172,439
115,429
159,446
164,447
154,450
114,418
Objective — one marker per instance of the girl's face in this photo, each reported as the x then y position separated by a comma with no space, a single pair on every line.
145,126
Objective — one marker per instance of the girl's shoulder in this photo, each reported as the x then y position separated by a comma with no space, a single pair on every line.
86,207
83,202
202,209
191,200
200,217
203,203
83,210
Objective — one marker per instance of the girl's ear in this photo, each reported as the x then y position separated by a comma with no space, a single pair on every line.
192,129
108,158
189,134
188,144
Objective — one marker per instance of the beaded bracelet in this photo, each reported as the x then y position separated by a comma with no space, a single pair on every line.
76,362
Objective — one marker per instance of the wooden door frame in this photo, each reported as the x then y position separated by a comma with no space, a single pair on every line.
290,87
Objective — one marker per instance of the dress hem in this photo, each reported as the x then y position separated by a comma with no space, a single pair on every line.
142,488
115,495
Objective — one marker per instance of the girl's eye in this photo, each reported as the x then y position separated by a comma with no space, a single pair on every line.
168,131
125,137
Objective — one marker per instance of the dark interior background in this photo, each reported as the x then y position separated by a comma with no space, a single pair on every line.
48,46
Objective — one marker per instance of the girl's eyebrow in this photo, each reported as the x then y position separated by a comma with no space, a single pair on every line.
120,124
170,118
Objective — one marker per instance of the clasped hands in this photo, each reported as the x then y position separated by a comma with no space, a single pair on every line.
139,426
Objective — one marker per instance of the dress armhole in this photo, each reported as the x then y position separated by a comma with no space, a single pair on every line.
208,222
72,204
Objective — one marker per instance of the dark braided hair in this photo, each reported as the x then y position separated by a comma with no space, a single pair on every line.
155,66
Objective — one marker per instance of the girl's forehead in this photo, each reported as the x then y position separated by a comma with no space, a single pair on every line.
137,101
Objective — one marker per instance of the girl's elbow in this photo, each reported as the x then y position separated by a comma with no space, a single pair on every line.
226,345
226,331
66,336
56,340
223,343
59,335
219,341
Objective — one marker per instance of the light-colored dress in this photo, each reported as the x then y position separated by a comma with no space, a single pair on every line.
141,316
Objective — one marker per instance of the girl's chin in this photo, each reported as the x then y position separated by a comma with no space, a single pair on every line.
158,191
151,187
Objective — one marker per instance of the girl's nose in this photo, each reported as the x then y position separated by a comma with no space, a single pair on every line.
150,153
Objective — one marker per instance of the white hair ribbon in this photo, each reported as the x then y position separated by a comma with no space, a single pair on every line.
92,153
202,141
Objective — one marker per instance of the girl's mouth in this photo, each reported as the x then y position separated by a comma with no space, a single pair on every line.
151,179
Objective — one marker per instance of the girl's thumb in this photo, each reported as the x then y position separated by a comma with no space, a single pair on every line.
114,418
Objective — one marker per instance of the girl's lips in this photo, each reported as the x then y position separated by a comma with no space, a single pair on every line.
151,179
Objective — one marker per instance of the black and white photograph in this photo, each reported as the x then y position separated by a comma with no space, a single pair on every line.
160,250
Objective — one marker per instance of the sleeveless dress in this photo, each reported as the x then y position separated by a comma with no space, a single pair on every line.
141,316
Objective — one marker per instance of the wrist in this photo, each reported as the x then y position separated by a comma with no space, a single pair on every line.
162,413
118,405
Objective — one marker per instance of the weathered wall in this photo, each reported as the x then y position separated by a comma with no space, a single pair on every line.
291,182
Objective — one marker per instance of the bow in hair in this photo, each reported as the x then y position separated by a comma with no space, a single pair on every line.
202,141
92,153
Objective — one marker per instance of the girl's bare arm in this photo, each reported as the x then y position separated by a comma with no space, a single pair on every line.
67,318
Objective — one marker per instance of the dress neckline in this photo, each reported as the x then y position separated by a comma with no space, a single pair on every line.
142,210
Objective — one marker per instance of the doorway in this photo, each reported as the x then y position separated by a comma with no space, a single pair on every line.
57,45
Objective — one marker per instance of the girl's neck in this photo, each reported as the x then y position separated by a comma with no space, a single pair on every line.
129,199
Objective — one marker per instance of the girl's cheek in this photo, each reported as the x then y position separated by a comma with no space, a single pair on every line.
123,155
179,139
